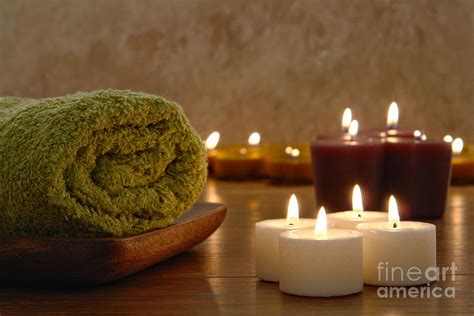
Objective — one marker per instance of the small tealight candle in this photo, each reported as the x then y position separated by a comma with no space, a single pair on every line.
321,262
350,219
290,164
211,144
240,162
399,253
462,162
267,233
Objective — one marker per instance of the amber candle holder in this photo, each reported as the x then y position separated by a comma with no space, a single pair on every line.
239,162
463,166
289,164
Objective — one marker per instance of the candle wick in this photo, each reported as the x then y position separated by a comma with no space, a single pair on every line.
392,127
394,225
359,215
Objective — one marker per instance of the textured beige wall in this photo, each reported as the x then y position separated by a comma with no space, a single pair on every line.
285,68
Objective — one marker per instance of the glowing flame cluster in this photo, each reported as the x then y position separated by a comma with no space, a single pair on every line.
419,135
348,125
213,139
292,218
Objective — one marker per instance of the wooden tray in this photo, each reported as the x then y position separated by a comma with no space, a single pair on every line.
90,261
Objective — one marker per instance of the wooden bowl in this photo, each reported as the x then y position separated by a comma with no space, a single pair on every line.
91,261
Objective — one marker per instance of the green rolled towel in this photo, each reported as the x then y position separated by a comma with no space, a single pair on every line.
104,163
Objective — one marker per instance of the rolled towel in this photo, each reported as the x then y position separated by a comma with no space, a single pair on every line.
104,163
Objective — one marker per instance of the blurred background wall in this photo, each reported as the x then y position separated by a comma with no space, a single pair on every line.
284,68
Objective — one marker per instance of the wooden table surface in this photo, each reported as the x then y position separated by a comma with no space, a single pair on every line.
218,276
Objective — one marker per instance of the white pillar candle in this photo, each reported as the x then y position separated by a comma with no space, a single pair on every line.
267,235
350,219
399,253
321,262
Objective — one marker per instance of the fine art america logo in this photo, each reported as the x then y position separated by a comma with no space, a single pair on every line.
387,273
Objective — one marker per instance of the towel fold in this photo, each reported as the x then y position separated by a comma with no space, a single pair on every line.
104,163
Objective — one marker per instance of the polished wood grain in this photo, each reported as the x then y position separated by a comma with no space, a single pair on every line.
91,261
218,276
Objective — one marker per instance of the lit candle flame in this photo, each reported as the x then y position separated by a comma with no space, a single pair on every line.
212,140
295,153
288,150
423,137
321,228
353,128
417,134
393,217
457,146
392,116
448,138
254,139
292,216
357,206
346,120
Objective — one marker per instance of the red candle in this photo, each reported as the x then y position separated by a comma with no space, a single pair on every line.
334,135
417,172
340,164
